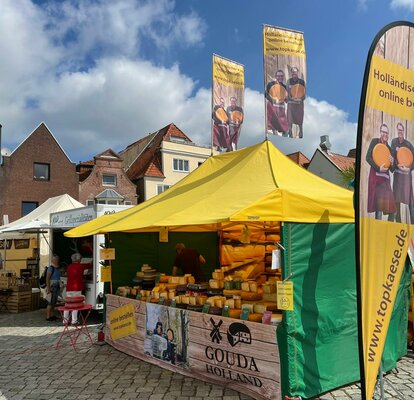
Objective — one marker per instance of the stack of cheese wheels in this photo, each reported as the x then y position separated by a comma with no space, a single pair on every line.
75,302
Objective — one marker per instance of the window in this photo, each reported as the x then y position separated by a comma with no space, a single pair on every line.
41,171
180,165
28,207
90,202
128,203
109,180
162,188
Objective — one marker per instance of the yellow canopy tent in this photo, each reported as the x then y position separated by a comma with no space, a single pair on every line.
254,184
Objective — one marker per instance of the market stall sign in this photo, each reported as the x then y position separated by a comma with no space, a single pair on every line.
107,254
122,322
106,273
285,295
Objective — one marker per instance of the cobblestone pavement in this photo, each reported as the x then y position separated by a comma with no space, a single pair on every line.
32,368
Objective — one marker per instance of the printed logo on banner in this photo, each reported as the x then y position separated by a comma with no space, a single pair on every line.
232,365
215,332
238,333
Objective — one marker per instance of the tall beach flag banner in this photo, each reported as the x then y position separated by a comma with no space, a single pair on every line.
227,103
284,60
384,207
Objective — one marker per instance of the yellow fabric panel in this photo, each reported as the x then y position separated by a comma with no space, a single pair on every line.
383,247
257,183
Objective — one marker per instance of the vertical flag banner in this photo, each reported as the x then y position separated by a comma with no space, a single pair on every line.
384,209
284,79
227,103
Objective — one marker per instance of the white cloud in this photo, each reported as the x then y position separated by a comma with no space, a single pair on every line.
408,4
120,97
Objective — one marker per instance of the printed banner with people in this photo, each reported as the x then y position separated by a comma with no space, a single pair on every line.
284,77
384,208
227,103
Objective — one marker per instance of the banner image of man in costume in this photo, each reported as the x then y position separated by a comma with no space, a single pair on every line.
284,77
383,190
227,103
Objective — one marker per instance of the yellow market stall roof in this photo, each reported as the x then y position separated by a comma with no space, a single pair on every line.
253,185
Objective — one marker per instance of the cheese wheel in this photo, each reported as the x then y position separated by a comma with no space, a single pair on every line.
74,305
75,299
255,317
164,278
231,292
245,286
252,296
270,305
235,313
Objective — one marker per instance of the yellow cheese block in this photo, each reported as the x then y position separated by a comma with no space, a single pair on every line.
218,275
237,302
201,300
249,306
230,303
253,286
270,297
269,288
164,278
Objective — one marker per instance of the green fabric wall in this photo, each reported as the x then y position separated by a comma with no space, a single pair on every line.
318,340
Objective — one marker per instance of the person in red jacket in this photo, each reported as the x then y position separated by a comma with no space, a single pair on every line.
75,283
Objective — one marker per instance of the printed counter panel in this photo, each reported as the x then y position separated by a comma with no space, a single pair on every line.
241,355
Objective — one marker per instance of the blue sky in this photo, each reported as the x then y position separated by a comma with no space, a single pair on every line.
102,74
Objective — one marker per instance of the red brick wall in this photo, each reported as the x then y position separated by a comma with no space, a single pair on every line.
16,175
92,185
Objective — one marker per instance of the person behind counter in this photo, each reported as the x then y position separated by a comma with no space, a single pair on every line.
75,283
189,261
52,287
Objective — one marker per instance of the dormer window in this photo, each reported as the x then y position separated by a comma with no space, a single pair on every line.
41,172
178,139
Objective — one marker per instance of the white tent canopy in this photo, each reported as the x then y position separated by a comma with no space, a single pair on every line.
39,218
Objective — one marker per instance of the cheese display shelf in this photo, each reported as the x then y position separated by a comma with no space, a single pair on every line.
240,355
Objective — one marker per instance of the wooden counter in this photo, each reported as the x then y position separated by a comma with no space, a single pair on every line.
241,355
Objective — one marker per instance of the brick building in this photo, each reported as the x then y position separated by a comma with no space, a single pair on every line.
104,181
35,171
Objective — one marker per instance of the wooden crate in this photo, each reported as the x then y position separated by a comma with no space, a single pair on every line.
21,288
19,302
7,280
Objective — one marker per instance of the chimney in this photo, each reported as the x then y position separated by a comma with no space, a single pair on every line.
325,145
